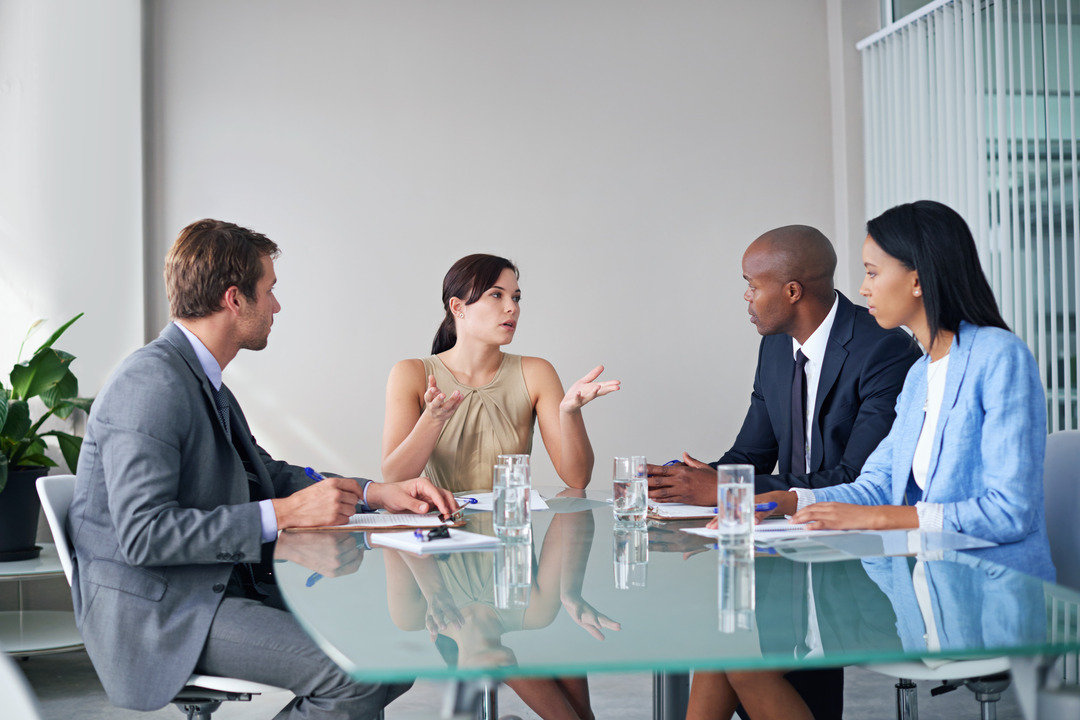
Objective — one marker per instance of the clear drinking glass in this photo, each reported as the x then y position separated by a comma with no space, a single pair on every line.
736,590
510,485
630,554
513,572
630,488
735,499
520,461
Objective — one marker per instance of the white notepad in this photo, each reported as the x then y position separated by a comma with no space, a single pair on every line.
458,540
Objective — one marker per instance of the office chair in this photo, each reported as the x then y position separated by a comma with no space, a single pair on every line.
1061,485
19,699
203,694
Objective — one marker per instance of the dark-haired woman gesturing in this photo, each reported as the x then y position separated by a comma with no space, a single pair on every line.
448,416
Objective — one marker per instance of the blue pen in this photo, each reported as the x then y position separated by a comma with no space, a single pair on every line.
313,475
468,500
760,507
314,578
673,462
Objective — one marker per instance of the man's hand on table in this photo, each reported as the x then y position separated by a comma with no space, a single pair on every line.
418,495
331,501
690,481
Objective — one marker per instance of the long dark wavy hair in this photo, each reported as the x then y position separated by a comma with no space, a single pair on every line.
934,241
468,279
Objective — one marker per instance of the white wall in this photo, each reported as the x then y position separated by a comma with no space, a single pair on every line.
622,152
70,196
71,180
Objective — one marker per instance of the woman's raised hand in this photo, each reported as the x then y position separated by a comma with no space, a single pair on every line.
437,405
587,389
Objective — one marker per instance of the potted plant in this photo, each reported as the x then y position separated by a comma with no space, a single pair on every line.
46,375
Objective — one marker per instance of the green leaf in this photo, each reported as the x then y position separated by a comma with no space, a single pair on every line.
55,396
18,420
69,447
3,406
37,460
52,338
3,472
39,373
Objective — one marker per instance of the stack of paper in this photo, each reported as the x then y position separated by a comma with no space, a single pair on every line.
679,511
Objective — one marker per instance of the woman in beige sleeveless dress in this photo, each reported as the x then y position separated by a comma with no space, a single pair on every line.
450,415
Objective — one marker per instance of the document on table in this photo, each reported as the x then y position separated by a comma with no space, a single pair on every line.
390,521
384,521
680,511
459,540
774,528
486,501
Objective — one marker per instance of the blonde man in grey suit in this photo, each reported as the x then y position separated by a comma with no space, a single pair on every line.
176,507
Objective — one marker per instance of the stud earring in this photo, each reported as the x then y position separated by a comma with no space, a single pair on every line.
917,293
461,315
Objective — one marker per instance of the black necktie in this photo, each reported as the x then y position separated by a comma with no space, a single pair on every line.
798,415
222,402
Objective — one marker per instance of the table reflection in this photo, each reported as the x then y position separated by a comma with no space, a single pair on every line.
468,601
960,602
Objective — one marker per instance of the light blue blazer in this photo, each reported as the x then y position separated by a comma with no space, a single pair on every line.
986,463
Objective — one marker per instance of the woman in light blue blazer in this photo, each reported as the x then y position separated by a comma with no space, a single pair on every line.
965,452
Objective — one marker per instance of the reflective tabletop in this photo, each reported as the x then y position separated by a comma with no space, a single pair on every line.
584,594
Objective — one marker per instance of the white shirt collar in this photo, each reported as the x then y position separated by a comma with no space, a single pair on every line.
815,345
206,359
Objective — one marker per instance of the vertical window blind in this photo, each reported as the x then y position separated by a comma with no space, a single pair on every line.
973,103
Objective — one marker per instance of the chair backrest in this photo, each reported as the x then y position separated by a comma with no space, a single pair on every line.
18,697
56,493
1061,482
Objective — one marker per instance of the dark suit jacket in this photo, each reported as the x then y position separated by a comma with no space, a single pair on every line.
863,371
160,516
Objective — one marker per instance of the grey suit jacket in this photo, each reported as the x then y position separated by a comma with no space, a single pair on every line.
161,513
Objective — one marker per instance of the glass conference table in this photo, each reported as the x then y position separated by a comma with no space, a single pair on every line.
585,595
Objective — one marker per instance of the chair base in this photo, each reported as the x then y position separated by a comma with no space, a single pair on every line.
987,691
200,703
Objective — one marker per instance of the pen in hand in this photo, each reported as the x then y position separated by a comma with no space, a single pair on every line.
313,474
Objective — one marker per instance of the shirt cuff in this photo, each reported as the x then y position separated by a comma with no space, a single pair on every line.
269,520
931,516
806,497
363,506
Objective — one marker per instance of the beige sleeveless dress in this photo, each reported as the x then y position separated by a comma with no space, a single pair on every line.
496,419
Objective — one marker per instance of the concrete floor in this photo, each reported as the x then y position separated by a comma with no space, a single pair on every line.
68,689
